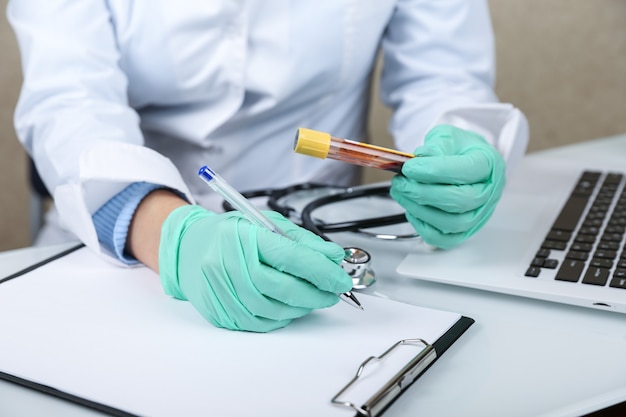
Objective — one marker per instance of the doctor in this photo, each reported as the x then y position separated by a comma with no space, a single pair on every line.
123,101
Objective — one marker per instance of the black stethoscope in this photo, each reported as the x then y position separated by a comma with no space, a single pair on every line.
312,197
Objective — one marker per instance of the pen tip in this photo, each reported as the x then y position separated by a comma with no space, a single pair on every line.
356,302
349,298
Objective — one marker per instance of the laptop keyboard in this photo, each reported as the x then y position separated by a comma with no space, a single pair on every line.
586,242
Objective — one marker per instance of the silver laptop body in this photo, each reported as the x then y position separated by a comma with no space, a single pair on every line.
519,240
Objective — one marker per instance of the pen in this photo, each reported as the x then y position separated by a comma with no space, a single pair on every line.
239,202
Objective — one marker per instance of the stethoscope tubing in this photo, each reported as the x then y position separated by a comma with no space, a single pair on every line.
322,228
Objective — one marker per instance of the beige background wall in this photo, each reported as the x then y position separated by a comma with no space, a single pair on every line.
13,182
563,62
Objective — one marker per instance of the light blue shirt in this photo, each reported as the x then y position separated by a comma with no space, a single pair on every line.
112,220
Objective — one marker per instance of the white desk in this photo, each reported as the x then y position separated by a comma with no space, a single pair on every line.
521,358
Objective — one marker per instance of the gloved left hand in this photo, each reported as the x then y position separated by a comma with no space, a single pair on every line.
243,277
451,188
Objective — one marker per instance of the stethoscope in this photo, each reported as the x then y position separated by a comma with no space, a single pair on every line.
357,261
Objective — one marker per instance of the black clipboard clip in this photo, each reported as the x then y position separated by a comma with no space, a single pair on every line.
385,396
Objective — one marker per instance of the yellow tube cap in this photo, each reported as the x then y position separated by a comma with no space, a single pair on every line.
312,143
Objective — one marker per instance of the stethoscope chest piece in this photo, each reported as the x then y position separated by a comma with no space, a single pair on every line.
356,263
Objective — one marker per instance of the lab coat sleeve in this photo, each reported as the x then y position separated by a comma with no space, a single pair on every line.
438,68
73,116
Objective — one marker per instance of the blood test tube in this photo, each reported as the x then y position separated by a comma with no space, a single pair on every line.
323,145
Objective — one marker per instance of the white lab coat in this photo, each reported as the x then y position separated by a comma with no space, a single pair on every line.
117,91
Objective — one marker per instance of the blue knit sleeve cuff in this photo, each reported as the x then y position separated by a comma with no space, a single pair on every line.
112,220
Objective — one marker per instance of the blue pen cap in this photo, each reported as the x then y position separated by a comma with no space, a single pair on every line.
207,173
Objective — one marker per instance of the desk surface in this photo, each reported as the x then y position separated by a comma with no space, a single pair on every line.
522,357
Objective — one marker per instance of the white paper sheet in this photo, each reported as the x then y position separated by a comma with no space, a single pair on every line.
109,334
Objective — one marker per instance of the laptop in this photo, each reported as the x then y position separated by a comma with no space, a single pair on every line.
557,233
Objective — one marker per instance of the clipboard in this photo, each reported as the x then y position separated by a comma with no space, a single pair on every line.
333,362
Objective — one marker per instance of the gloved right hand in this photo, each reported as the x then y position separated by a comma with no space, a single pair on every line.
243,277
450,191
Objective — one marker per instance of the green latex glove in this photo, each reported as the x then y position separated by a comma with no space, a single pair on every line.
451,189
243,277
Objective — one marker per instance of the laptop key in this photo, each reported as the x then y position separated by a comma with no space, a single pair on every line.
602,263
538,262
619,273
581,256
550,263
553,244
596,276
605,254
533,272
613,178
570,270
581,247
559,235
611,237
618,282
585,239
570,214
589,231
606,245
614,228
